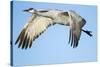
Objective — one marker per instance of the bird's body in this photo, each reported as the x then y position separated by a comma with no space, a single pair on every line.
55,15
42,19
60,17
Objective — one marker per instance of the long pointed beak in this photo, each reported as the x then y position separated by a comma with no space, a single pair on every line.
25,10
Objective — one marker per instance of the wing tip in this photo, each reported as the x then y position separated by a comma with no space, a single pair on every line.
73,40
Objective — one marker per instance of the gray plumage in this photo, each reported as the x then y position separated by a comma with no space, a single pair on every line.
42,19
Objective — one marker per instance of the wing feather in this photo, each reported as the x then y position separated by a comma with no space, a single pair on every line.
75,36
76,24
32,31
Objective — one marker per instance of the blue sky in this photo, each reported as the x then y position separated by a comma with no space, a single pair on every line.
52,46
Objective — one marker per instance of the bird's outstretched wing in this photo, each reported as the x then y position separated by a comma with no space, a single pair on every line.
32,30
75,33
76,24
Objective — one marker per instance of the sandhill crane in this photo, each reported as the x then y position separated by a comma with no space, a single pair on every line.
42,19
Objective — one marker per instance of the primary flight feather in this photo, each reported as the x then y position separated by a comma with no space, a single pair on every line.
42,19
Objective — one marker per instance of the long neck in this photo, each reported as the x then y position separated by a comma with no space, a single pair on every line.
44,14
50,13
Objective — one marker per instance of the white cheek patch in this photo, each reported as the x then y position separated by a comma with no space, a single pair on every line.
31,11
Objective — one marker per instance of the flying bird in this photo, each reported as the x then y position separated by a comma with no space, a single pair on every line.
42,19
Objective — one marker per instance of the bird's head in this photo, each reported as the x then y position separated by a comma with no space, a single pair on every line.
30,10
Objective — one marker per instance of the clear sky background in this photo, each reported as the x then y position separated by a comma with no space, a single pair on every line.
52,46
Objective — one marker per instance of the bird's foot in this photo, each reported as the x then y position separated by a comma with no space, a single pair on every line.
89,32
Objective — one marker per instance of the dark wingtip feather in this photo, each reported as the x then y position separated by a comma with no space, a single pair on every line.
27,43
17,41
20,38
76,41
72,39
30,44
24,42
19,44
70,35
